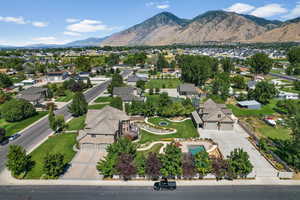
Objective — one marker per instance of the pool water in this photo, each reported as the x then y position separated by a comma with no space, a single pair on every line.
196,149
163,123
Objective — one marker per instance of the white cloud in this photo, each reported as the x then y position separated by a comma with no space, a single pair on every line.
86,26
163,6
72,20
269,10
159,5
294,12
39,24
71,33
240,8
17,20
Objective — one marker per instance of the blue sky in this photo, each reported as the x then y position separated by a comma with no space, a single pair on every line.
24,22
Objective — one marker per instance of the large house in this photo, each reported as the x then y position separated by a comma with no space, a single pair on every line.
35,95
104,127
213,116
133,79
187,89
59,76
128,94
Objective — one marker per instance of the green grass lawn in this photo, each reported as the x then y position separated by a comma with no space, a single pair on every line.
103,99
77,123
14,127
242,112
154,149
159,83
97,106
184,129
67,98
278,132
62,143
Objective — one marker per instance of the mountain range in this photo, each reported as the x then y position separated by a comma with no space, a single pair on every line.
219,26
213,26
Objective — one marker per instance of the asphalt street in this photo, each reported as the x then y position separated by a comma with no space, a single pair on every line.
41,130
145,193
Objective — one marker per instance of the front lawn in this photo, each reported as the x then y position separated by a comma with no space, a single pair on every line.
163,83
68,97
77,123
103,99
14,127
243,112
184,129
62,143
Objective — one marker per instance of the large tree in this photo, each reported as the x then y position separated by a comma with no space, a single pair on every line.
17,160
263,92
227,65
221,85
197,69
5,81
161,62
2,134
140,163
83,64
117,81
171,161
53,165
79,106
17,110
153,166
203,163
219,168
293,55
261,63
239,163
188,166
125,166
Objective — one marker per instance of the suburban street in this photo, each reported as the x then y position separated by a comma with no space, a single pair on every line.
39,131
132,193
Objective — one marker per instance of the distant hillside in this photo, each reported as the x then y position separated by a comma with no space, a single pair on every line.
86,42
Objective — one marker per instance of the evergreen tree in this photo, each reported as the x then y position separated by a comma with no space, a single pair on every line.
79,106
53,165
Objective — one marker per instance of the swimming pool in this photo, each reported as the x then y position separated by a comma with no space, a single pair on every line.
163,123
196,149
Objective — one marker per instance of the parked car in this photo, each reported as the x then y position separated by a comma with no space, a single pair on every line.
4,142
14,137
164,185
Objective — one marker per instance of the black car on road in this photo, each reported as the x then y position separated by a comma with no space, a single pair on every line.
164,185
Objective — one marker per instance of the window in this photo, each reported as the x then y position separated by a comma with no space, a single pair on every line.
219,115
93,135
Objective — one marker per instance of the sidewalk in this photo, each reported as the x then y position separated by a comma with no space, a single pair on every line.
6,179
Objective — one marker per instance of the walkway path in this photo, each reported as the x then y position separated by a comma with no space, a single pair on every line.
154,143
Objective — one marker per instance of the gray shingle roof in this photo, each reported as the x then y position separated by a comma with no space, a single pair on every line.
187,87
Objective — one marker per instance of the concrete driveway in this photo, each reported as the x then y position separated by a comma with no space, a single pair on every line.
83,166
229,140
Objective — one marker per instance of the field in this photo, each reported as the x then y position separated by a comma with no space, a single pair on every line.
62,143
97,106
14,127
103,99
163,83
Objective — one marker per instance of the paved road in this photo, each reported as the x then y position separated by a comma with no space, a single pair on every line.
145,193
41,130
290,78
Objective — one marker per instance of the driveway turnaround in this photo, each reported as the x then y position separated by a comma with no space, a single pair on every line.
229,140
